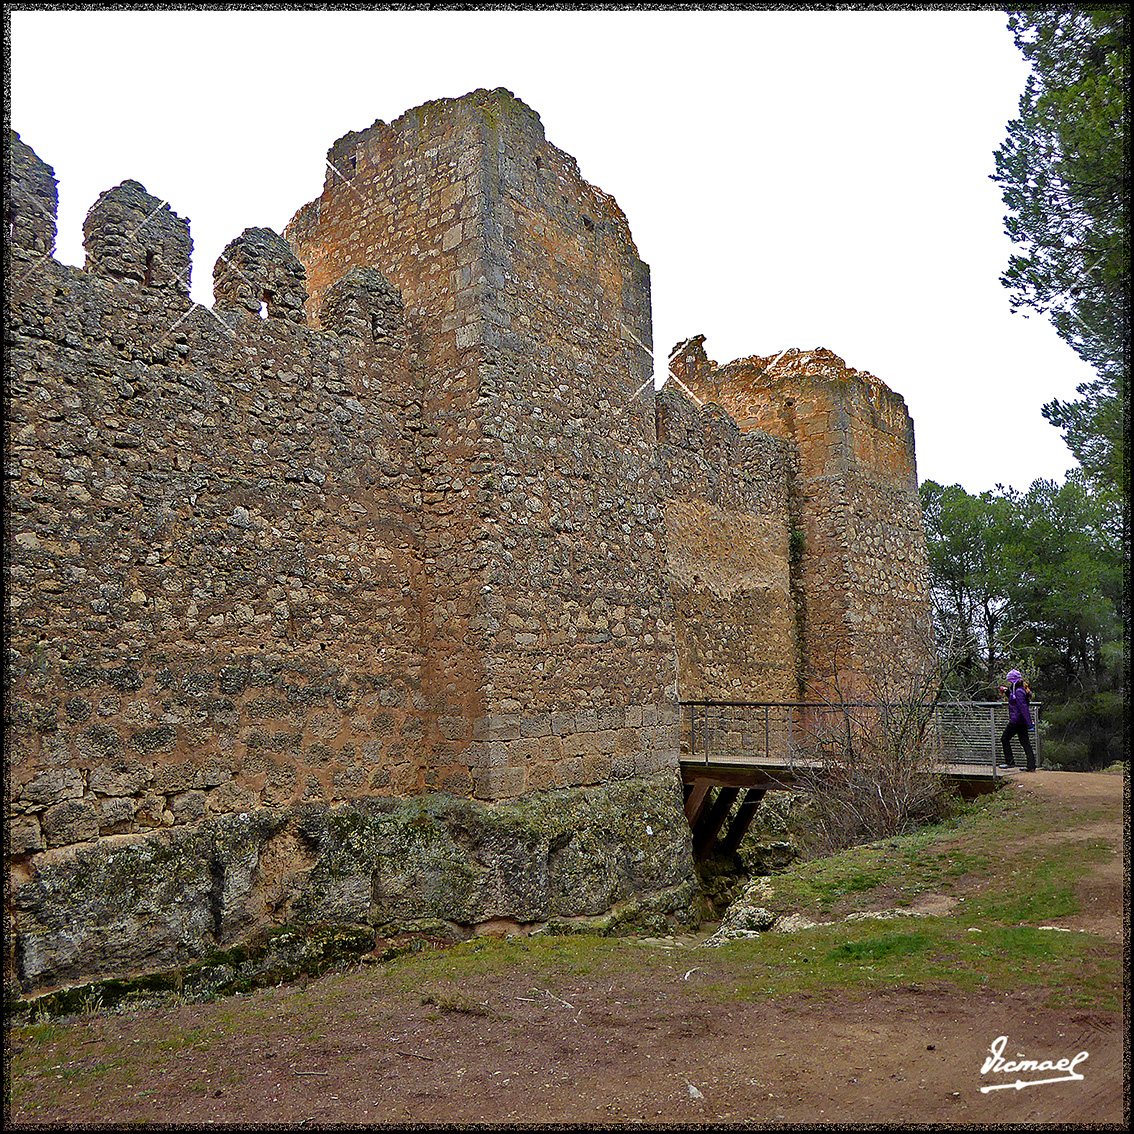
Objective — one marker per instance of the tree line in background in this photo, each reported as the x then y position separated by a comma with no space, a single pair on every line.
1039,580
1035,580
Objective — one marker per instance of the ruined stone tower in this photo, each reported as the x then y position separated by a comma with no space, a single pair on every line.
859,557
365,599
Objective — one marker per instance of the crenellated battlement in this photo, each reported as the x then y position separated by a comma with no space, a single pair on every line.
33,201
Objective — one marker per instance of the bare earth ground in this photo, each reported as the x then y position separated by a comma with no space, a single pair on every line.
641,1046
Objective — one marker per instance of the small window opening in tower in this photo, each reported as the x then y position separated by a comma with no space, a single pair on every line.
148,278
376,327
11,222
588,224
265,304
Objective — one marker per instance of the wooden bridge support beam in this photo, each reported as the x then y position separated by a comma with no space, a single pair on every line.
710,823
742,819
696,795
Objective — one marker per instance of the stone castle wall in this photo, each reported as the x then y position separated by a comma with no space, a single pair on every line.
367,595
861,571
728,562
214,596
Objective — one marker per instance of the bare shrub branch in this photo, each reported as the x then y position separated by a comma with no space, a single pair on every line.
875,764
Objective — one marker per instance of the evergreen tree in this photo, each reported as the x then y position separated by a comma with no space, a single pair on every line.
1064,176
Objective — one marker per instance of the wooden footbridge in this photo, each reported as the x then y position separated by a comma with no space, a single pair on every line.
734,747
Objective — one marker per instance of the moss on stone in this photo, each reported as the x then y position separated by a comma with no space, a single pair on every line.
285,954
567,854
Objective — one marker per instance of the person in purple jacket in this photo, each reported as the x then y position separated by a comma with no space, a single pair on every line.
1019,719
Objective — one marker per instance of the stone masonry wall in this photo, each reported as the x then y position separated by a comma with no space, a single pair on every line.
214,562
548,643
728,554
862,567
401,198
250,593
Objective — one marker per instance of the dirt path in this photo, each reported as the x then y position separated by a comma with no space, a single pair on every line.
1101,889
630,1047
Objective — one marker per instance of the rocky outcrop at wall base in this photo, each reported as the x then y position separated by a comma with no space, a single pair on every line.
170,899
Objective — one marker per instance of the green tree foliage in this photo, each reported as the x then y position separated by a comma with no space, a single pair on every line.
1035,580
1064,176
966,539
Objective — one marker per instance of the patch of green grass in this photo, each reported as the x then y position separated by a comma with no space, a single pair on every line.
1040,886
818,884
1073,968
877,948
42,1033
981,848
538,959
197,1039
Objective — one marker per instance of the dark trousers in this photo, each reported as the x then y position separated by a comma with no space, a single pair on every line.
1021,730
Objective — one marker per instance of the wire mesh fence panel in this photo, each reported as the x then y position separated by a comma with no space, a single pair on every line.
965,733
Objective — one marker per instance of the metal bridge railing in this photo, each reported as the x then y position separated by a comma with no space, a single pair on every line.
962,733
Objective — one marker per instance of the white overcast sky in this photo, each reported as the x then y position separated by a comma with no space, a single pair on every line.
792,178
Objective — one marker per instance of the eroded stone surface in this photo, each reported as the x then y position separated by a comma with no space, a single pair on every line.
153,902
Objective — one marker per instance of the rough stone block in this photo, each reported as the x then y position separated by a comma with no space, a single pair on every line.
499,783
457,783
628,740
579,744
551,749
523,752
605,742
170,778
539,725
73,821
569,772
623,766
24,835
53,786
586,720
233,798
596,769
189,806
126,778
476,755
503,726
498,753
541,776
611,719
348,782
453,727
114,811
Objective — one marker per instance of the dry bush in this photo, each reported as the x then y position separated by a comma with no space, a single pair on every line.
875,764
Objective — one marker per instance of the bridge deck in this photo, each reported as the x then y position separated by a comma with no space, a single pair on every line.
750,771
712,788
